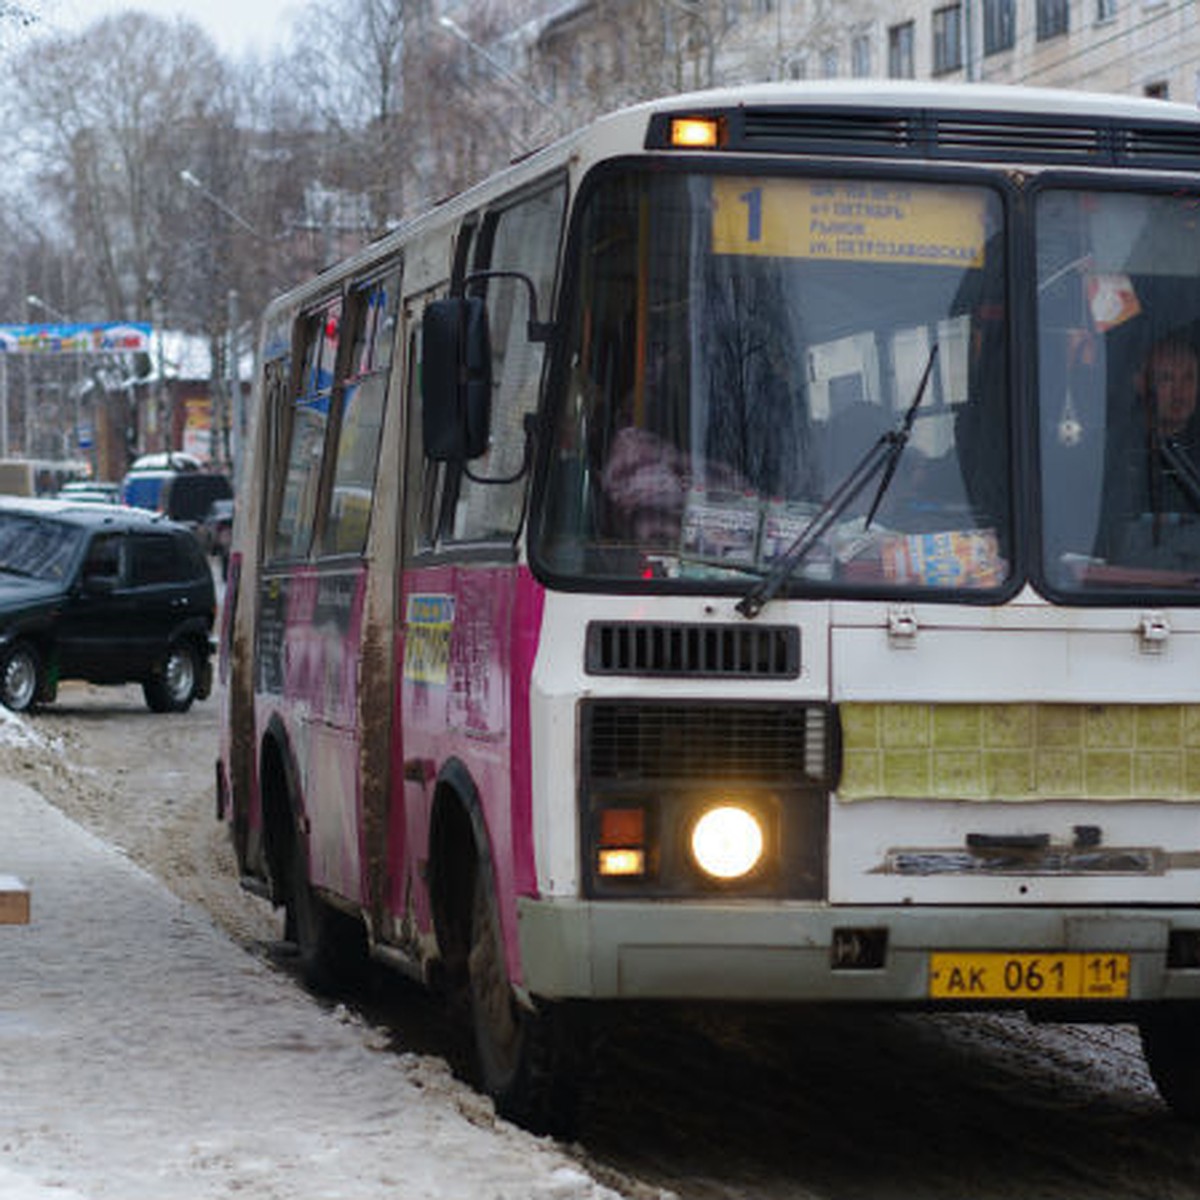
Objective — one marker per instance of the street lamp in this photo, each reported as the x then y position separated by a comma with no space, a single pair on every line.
187,177
37,302
453,27
218,432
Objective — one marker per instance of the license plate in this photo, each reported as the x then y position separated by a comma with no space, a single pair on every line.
998,976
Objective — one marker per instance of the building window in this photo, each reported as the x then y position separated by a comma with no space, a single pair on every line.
860,56
1052,18
947,39
797,67
1106,10
829,64
999,21
900,51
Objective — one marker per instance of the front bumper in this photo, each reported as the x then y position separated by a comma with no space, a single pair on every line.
608,950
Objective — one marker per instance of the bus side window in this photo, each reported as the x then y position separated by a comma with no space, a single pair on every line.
523,237
374,309
424,478
297,506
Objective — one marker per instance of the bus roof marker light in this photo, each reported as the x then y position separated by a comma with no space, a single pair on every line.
695,133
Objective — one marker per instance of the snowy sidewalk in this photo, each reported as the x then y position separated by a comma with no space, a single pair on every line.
143,1056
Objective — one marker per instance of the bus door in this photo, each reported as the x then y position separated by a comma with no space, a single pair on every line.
310,609
423,621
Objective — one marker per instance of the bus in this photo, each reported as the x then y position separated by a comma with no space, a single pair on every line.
739,553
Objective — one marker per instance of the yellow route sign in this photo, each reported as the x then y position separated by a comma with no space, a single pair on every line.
875,221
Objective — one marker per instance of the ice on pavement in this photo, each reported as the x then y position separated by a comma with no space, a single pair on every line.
144,1056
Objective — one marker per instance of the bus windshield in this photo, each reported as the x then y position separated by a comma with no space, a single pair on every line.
1119,325
738,344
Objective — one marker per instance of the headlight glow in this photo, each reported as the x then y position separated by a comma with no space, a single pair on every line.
727,842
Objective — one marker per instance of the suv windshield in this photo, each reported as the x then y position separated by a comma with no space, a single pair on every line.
36,547
739,344
1119,327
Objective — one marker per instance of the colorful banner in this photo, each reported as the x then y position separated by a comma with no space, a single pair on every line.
113,337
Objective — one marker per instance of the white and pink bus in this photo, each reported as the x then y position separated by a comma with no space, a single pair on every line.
749,550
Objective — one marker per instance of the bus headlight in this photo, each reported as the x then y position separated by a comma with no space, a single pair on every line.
728,842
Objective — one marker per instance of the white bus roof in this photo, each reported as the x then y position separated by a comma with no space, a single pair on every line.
623,130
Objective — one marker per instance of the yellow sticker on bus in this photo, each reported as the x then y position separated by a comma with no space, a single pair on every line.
430,620
849,221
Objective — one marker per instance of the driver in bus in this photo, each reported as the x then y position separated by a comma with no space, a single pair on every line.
1167,390
1163,470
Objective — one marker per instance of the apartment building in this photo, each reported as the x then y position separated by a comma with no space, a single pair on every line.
594,54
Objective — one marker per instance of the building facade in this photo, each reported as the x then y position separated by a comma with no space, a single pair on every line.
595,54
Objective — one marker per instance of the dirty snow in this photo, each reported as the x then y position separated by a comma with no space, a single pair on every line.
144,1055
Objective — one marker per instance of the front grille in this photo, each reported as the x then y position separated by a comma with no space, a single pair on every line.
775,744
697,651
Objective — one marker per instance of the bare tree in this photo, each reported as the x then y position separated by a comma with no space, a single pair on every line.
110,112
351,54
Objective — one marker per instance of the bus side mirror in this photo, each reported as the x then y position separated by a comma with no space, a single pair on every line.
456,379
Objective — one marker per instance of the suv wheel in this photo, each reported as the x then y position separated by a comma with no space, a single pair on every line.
173,688
20,676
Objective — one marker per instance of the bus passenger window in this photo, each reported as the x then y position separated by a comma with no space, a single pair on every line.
306,438
360,431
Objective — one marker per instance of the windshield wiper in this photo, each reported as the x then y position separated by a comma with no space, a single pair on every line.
883,456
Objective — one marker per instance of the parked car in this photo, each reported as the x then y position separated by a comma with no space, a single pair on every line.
183,495
90,491
106,594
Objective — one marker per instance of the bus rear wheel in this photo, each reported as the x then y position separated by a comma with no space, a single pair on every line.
331,945
1171,1044
527,1059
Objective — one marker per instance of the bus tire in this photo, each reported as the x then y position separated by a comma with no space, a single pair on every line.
21,676
1171,1045
331,946
526,1060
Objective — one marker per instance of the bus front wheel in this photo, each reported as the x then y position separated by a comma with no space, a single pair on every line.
527,1061
1171,1044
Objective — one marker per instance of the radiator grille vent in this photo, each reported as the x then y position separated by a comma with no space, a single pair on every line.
696,651
774,743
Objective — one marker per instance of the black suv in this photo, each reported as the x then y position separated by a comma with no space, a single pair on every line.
102,593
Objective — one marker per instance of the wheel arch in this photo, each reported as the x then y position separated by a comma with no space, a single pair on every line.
459,849
282,804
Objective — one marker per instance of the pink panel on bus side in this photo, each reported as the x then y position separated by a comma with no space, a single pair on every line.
527,626
466,652
315,630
